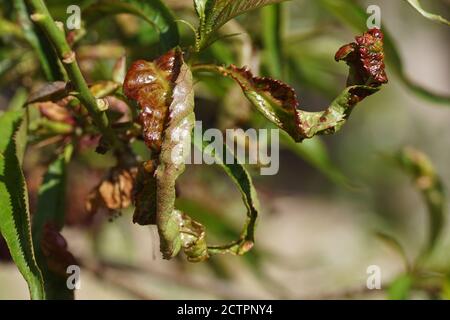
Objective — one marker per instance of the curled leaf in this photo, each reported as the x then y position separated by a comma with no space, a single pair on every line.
241,178
354,15
151,85
164,92
176,229
365,57
278,102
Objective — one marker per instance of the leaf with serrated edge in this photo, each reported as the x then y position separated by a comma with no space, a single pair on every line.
51,210
14,210
215,13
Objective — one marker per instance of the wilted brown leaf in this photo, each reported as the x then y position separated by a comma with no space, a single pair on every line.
114,192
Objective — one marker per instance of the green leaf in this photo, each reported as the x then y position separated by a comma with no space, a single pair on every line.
355,17
242,179
39,42
434,17
51,210
213,219
14,210
155,12
426,180
215,13
220,227
51,200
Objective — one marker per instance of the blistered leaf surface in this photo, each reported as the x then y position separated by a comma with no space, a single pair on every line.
151,85
278,102
164,92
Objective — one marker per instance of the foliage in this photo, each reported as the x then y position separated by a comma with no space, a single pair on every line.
151,105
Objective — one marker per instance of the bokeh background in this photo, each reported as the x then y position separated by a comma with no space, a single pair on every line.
316,235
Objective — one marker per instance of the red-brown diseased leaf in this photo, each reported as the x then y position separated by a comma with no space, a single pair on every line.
54,249
151,85
114,192
164,91
176,230
278,102
365,57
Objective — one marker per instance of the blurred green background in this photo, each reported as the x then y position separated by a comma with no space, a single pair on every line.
317,234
